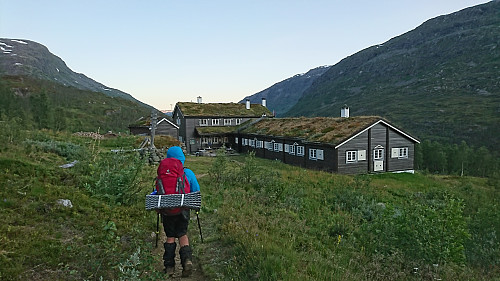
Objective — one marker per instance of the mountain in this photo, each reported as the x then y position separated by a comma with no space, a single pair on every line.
440,81
28,58
38,91
283,95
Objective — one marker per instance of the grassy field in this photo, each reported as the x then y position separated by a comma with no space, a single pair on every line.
261,219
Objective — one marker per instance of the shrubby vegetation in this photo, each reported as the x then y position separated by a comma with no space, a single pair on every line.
279,222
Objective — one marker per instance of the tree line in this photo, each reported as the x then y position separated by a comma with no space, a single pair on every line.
456,159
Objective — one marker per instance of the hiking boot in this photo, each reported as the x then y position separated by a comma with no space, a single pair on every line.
170,271
186,260
169,258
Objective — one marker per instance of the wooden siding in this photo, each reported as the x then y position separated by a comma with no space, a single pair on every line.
396,163
378,138
358,143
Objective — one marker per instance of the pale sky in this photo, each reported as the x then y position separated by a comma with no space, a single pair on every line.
162,52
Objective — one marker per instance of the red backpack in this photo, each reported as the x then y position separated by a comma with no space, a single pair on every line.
171,180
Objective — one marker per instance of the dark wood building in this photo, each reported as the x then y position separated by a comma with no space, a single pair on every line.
164,127
211,125
351,145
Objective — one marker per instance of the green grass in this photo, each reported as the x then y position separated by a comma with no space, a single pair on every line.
261,219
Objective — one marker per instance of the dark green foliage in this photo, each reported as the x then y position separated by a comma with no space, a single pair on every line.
456,159
433,230
114,178
68,150
44,104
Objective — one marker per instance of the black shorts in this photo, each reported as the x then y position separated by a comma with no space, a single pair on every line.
176,226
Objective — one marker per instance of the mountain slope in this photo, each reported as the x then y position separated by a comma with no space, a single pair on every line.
283,95
440,81
28,58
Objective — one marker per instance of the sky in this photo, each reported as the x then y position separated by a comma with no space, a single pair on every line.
162,52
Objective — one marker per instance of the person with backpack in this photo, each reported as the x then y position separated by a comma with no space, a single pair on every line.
175,221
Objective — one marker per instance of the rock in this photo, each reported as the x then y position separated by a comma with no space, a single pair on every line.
65,203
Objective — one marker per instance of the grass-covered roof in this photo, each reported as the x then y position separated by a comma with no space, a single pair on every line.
319,129
217,130
222,109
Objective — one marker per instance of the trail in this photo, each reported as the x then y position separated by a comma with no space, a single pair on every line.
197,274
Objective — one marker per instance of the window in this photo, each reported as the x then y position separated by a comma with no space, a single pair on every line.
243,141
236,140
203,122
292,149
215,122
238,121
227,122
178,121
252,143
260,144
315,154
350,156
300,151
225,139
399,152
280,147
403,152
287,148
270,145
216,139
378,154
312,154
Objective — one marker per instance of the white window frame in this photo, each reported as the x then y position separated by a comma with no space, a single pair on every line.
236,140
252,143
378,153
203,122
227,122
260,144
403,153
178,121
300,150
292,149
287,148
351,156
280,147
215,122
275,147
238,121
312,153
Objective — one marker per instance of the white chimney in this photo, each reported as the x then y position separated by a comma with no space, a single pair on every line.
248,104
264,102
344,112
198,100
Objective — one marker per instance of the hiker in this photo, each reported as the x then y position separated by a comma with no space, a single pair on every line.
176,226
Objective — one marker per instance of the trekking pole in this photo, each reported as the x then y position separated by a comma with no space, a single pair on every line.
199,226
157,229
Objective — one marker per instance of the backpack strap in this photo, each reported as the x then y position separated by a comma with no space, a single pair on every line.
160,186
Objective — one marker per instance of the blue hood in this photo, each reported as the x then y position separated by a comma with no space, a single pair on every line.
176,152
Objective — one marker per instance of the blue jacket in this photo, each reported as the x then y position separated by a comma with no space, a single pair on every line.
176,152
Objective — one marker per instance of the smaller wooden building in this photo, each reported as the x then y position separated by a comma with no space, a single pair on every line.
164,127
349,145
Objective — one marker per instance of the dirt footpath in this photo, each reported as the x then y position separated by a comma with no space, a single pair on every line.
197,274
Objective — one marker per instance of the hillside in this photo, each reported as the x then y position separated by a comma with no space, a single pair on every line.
440,81
260,219
31,59
283,95
43,104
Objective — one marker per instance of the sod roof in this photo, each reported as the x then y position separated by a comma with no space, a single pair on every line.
217,130
319,129
191,109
